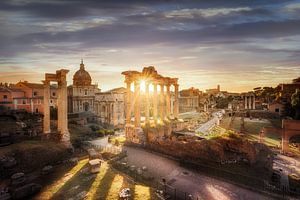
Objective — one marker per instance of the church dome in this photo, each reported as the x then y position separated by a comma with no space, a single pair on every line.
82,77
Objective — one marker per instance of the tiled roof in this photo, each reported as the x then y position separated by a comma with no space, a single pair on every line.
33,85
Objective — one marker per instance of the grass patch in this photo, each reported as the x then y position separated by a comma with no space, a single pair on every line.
215,132
117,140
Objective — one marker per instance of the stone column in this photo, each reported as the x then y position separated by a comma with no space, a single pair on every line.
176,105
249,102
246,102
155,102
62,117
168,101
162,102
31,105
253,101
128,102
46,122
137,109
15,104
147,106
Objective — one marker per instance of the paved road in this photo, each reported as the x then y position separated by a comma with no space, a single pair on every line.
189,181
204,128
102,141
286,165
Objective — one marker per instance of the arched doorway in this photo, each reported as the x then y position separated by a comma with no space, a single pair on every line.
86,106
295,141
290,132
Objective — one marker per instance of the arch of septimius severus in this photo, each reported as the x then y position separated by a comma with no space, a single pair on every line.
62,121
161,100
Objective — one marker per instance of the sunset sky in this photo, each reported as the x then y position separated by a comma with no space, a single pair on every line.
238,44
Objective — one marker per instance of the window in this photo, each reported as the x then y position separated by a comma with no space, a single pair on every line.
24,102
4,96
277,110
37,110
85,92
35,93
53,94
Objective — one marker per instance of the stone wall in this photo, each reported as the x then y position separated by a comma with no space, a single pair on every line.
220,150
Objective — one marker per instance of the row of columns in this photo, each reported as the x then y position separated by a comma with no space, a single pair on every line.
249,102
164,99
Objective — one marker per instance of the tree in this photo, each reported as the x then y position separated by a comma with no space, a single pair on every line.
295,101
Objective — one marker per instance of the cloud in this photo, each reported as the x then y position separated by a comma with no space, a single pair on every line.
180,37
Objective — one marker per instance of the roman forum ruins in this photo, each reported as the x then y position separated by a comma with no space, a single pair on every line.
156,112
249,100
62,121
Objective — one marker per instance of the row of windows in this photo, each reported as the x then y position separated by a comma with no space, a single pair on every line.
35,93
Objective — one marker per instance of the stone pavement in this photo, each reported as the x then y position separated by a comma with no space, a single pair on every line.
186,180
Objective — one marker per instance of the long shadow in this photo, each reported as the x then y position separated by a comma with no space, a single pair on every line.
55,182
104,186
79,182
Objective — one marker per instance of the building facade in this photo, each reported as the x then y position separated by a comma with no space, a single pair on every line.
110,107
81,95
26,96
189,100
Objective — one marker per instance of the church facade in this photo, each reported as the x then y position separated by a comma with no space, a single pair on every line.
81,95
85,97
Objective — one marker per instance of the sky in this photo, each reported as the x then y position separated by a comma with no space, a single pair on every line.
238,44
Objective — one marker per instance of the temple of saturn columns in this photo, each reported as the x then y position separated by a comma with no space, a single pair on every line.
62,121
158,106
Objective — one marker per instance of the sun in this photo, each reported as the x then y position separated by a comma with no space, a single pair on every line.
143,86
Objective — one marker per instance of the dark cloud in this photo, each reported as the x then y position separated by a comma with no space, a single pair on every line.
139,23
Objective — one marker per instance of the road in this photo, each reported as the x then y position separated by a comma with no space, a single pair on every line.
286,165
186,180
204,128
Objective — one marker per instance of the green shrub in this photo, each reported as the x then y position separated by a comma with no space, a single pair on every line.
233,134
94,127
101,132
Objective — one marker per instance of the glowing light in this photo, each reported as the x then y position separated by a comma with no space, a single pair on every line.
142,192
115,187
93,189
51,190
216,193
143,86
132,87
151,87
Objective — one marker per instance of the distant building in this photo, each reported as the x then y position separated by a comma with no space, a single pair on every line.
213,91
286,90
110,106
86,99
81,95
276,107
249,100
189,100
26,96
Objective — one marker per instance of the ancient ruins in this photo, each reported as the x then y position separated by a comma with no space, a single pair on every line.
249,100
62,122
160,109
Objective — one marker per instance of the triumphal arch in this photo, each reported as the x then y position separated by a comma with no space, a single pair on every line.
151,101
62,113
